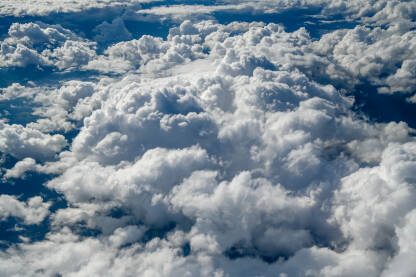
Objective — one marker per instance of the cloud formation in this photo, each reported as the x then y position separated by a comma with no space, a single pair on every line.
44,45
22,142
220,150
32,212
371,53
44,7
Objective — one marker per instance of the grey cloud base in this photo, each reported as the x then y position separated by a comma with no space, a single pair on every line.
220,152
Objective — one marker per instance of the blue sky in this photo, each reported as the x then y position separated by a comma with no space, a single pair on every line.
207,138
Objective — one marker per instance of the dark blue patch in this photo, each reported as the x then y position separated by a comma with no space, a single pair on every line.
237,252
158,232
117,213
13,227
17,111
186,249
384,107
31,185
40,75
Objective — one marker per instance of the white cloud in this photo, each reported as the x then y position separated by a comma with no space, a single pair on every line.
151,54
33,211
412,99
373,202
44,45
22,142
20,168
407,251
404,78
370,54
45,7
137,187
125,235
243,214
221,154
15,91
56,108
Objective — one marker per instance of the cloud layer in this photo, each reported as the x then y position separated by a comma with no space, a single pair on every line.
220,150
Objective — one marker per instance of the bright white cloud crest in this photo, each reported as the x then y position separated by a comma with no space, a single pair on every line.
221,150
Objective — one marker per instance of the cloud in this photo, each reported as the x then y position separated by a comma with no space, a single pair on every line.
216,151
58,107
33,211
22,142
369,54
406,253
152,54
379,12
148,179
240,216
44,45
403,79
43,7
179,12
412,99
373,202
20,168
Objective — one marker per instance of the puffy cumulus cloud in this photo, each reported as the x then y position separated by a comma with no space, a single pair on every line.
141,117
137,188
125,56
22,142
215,153
206,39
33,211
374,205
404,78
37,33
42,45
378,214
384,57
406,253
15,91
125,235
20,168
153,54
59,109
56,108
95,256
71,54
246,217
390,12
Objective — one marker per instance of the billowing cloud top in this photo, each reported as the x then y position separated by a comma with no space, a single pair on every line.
226,145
